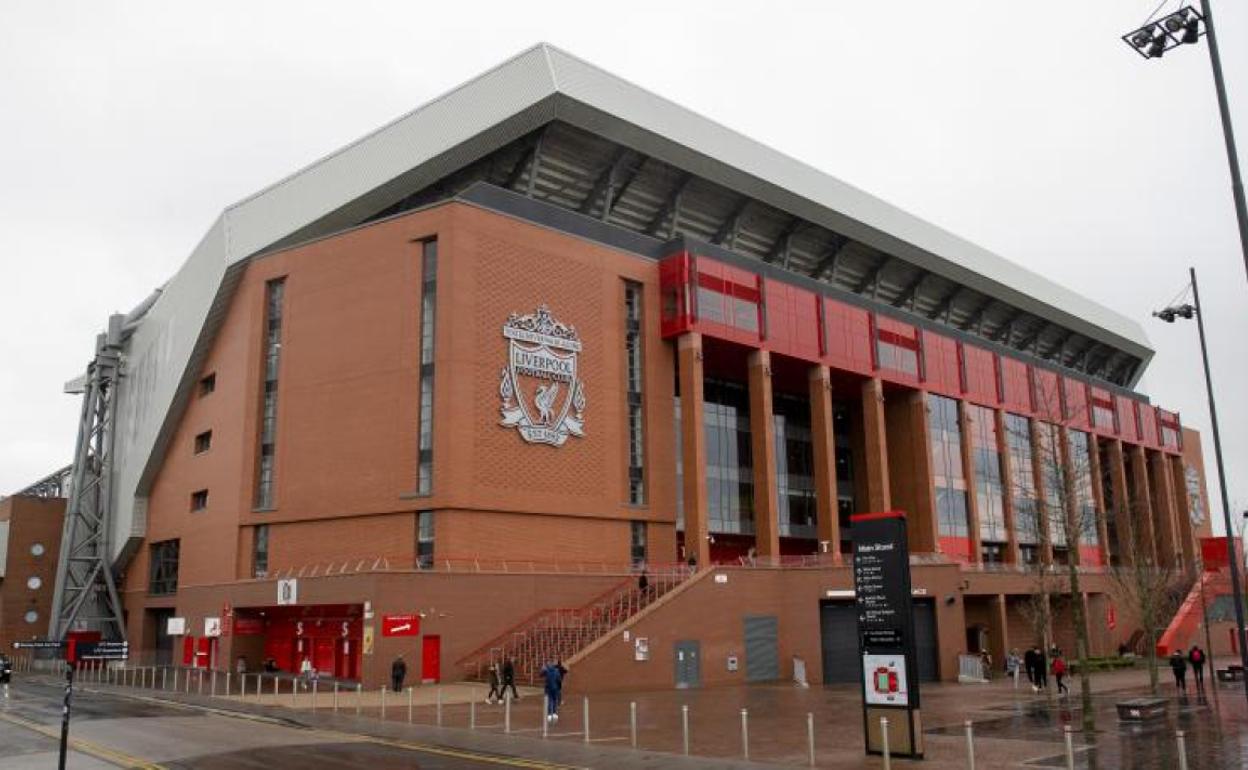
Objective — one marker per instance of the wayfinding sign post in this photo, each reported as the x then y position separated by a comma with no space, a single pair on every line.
890,681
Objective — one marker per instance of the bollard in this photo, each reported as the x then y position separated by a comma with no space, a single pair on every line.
1068,732
188,681
294,691
152,686
315,683
242,686
199,682
585,716
970,745
359,695
335,696
810,737
507,714
545,714
1182,746
745,734
409,705
684,725
632,722
164,678
472,715
275,689
212,676
439,694
227,684
888,763
175,680
383,704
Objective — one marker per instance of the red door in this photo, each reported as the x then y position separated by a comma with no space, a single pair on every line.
347,662
323,655
203,655
188,650
431,659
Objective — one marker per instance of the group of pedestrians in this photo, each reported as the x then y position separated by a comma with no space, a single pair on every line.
1037,666
502,678
1178,664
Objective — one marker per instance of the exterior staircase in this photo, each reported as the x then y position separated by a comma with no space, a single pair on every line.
559,633
1184,627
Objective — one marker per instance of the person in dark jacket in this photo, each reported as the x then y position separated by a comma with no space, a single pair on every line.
398,672
496,685
1178,664
1197,658
1029,665
509,679
1042,670
552,676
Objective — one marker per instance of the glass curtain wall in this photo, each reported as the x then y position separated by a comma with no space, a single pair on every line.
1052,474
989,484
952,516
795,466
729,458
1023,486
1085,502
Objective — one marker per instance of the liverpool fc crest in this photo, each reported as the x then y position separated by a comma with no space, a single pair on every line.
542,397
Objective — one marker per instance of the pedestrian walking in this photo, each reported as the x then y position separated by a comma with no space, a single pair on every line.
1197,658
1012,665
306,672
1178,664
985,659
398,672
643,582
1029,662
1042,670
509,678
552,675
1059,671
496,685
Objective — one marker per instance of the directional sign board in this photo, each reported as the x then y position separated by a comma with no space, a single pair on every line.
886,633
102,651
38,644
400,625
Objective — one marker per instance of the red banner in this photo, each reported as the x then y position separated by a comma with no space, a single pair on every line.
400,625
1111,617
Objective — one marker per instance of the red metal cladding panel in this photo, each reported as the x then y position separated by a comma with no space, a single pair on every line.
780,321
676,317
1017,386
941,364
1126,418
849,337
898,350
981,375
805,309
1170,429
1103,412
1077,403
1091,556
1047,396
726,306
1149,429
957,548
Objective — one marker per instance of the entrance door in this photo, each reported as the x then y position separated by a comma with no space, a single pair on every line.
838,624
688,665
431,659
762,651
188,650
926,647
164,642
323,655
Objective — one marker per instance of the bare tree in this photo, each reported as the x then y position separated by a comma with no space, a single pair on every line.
1151,589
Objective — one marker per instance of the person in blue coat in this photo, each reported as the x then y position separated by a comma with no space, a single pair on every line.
552,674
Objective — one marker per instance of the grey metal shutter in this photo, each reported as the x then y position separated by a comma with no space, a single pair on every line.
762,652
838,625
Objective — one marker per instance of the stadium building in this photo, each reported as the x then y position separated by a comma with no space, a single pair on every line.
443,392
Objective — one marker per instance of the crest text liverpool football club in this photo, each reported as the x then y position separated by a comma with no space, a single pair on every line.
542,396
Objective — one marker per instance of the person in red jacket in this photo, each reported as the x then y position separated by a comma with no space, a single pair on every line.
1197,658
1058,667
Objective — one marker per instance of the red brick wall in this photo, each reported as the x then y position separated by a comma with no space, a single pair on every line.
31,520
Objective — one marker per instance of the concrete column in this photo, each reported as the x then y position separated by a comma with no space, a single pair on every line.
1098,494
999,633
693,447
875,469
1141,503
1007,488
913,489
1167,538
824,442
968,473
763,443
1122,512
1070,470
1183,511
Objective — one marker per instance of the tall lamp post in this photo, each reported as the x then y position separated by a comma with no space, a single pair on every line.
1187,311
1184,26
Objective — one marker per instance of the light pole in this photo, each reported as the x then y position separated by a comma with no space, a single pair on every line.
1184,26
1187,311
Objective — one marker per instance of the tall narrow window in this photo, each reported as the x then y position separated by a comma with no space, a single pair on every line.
633,384
952,515
1053,476
795,466
163,568
424,540
1084,502
989,489
274,292
260,552
428,316
1023,485
637,542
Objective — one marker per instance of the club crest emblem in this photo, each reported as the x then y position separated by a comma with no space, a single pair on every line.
542,396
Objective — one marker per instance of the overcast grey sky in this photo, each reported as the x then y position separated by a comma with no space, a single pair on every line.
1029,128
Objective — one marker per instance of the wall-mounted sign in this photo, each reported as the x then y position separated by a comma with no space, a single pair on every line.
212,626
288,591
248,626
368,640
542,397
641,648
175,626
1111,617
721,577
400,625
1195,503
885,680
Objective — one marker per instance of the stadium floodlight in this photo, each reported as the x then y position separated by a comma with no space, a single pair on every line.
1182,27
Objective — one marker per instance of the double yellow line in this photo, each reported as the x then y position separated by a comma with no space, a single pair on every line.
119,758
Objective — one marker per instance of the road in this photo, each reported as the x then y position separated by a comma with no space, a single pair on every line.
109,730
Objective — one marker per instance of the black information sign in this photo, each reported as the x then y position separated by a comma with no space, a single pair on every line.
890,683
102,651
39,644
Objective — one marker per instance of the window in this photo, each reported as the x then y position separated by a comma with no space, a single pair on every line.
1102,413
275,291
34,582
207,384
1081,472
163,570
428,319
729,458
633,354
260,552
31,617
424,540
952,515
199,500
1022,479
203,442
795,466
1053,476
36,549
845,507
637,543
727,302
897,350
989,486
992,553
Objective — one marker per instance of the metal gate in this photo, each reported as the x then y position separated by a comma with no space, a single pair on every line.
688,665
762,650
